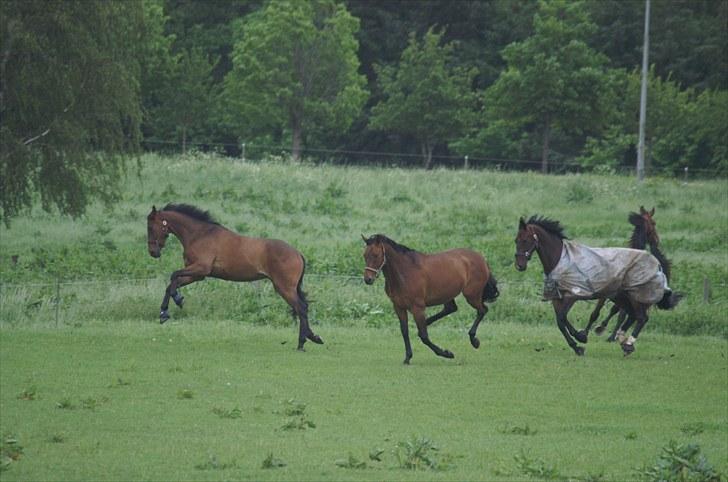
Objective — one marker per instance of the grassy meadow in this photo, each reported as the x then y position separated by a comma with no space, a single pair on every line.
92,387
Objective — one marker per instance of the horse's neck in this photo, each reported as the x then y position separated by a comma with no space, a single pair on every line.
549,249
638,239
395,265
184,227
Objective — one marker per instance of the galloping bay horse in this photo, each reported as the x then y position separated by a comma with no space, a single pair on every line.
213,250
644,233
414,281
632,279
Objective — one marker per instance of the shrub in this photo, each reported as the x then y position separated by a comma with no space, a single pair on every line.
680,463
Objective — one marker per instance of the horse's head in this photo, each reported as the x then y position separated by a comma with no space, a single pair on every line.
650,226
157,232
374,257
526,244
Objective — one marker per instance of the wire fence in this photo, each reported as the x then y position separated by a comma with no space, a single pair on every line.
60,299
249,151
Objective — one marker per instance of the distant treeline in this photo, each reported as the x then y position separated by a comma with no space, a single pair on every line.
535,83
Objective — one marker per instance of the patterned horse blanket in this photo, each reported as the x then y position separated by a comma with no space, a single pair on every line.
587,273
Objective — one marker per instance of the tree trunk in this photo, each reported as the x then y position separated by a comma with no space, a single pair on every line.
184,139
297,133
427,154
545,146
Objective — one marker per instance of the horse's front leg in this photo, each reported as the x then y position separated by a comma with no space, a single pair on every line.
562,307
402,315
178,279
419,314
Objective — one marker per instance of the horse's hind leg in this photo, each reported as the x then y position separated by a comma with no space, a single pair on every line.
448,308
620,321
297,301
603,325
421,321
641,318
482,309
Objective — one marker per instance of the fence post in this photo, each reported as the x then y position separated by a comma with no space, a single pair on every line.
242,151
706,289
466,162
685,177
58,297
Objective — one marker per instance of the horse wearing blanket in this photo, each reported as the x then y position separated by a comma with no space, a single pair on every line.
632,279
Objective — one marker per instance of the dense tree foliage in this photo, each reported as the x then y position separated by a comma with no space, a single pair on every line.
69,100
295,68
551,81
425,96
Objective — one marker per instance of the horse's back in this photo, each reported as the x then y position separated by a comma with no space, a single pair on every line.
448,273
245,258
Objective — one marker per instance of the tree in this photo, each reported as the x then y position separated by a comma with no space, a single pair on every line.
553,80
684,128
187,100
69,100
295,66
425,96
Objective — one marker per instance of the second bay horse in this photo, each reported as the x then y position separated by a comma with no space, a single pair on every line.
213,250
414,281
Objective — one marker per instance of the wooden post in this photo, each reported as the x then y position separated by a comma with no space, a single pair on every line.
466,162
58,297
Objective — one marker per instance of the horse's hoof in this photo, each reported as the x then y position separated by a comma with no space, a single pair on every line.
627,348
406,361
179,300
163,316
448,354
581,336
579,350
300,348
316,339
599,330
475,342
610,339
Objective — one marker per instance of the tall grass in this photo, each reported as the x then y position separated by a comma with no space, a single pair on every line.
322,210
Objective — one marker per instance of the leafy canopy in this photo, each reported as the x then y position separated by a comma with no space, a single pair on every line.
69,100
425,96
295,66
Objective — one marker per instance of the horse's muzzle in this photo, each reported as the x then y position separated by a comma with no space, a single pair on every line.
369,281
155,253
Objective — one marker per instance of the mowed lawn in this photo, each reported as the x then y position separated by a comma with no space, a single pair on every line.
218,400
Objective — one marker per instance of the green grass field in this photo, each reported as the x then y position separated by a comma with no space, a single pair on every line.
92,387
212,401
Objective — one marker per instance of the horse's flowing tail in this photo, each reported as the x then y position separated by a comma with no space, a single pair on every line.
669,300
490,292
299,291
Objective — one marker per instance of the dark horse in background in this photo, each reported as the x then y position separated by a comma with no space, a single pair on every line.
632,279
414,281
213,250
643,234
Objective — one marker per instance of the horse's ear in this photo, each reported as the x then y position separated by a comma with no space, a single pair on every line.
521,223
154,209
365,239
652,211
643,210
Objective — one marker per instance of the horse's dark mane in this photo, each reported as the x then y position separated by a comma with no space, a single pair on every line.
380,238
191,211
664,262
639,235
549,225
